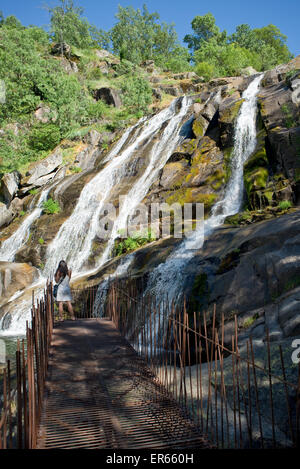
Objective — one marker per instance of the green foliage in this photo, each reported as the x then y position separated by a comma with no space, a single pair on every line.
75,169
22,213
250,321
41,241
137,93
205,29
261,48
68,26
132,243
51,207
138,36
285,205
33,191
205,70
44,137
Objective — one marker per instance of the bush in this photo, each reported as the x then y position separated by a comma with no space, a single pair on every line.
44,137
51,207
137,93
205,70
132,243
285,205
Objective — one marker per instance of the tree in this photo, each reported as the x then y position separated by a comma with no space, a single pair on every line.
67,25
271,36
204,28
138,36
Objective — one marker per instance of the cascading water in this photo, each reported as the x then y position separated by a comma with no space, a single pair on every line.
169,277
11,246
74,239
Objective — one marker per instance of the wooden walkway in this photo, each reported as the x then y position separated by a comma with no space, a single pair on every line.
100,394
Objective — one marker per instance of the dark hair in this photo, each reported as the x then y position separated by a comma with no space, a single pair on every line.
63,268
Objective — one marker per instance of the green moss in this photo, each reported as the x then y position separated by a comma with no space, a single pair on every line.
187,147
230,113
239,218
217,179
198,126
227,162
256,179
250,321
188,195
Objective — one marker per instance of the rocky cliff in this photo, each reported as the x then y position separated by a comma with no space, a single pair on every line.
251,265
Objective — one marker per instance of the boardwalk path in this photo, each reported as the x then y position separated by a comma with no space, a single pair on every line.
100,394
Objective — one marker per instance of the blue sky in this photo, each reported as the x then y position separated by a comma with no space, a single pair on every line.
228,13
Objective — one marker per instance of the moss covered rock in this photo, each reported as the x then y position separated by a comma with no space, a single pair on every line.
200,126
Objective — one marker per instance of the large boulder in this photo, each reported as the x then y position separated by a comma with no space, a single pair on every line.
15,277
109,95
9,186
43,168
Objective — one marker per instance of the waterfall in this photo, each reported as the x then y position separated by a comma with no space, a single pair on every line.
11,246
169,276
74,239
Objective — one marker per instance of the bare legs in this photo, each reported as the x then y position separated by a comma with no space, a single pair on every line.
61,310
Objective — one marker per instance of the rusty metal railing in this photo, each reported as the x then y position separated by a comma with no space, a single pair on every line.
229,391
23,387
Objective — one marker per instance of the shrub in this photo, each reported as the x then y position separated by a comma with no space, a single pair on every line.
285,204
132,243
33,191
75,169
137,93
205,70
51,207
44,137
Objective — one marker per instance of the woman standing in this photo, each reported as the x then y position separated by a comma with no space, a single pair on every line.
64,295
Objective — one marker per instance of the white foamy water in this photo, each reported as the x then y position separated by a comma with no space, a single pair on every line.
11,246
101,294
74,239
169,276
